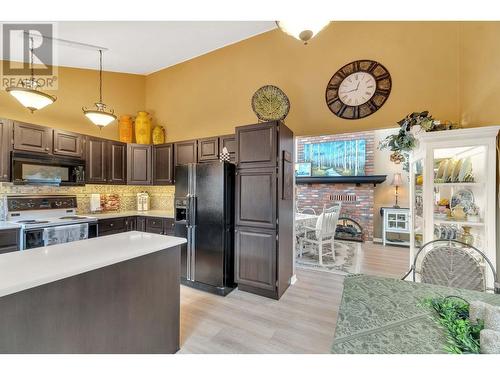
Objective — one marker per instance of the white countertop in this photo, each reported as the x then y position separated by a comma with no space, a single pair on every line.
150,213
26,269
9,225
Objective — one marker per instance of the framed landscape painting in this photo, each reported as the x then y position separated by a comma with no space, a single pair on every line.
336,158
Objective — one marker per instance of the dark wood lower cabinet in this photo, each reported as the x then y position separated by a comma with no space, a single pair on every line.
9,240
256,258
147,224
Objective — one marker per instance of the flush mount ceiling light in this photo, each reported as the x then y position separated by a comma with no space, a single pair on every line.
302,30
100,116
27,93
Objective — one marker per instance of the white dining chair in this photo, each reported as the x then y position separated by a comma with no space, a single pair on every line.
323,233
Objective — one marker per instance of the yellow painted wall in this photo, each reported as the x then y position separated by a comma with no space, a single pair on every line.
125,93
211,94
449,68
480,73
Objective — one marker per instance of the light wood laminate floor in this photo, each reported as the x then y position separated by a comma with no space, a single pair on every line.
302,321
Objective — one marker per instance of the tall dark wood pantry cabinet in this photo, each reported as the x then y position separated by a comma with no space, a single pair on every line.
264,208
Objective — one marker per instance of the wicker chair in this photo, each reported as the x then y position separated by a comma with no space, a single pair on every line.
453,263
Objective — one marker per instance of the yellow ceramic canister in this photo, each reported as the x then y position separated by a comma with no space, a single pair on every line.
125,128
143,128
158,135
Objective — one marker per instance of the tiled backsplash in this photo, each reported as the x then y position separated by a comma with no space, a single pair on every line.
162,197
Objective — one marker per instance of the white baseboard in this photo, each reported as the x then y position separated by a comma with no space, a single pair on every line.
377,240
293,279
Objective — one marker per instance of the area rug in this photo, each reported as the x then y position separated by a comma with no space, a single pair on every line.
347,258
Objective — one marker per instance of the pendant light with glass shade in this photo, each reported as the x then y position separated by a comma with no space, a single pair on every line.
100,116
27,93
302,30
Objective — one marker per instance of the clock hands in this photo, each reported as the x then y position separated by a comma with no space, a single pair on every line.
346,92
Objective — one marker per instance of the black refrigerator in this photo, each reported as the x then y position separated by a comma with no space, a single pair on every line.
204,215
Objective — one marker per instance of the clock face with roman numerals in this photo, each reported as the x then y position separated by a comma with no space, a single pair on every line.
358,89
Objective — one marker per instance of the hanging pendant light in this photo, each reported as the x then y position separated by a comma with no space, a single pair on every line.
100,116
302,30
27,93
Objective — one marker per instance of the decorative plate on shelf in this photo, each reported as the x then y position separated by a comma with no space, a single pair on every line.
465,171
456,170
270,103
463,197
441,168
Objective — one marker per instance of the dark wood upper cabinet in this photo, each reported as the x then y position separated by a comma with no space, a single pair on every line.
139,164
68,143
117,163
163,164
256,145
33,138
256,197
6,147
208,149
256,258
229,142
96,161
185,152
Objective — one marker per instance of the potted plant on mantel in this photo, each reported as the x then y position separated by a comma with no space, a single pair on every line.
404,141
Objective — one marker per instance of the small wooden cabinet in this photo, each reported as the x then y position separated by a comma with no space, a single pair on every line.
96,161
33,138
256,258
208,149
163,164
139,164
6,147
229,142
116,163
9,240
256,197
68,143
396,220
185,152
256,145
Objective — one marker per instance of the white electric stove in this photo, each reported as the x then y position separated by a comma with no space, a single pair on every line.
49,219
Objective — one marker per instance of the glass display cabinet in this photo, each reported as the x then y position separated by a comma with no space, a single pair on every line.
453,189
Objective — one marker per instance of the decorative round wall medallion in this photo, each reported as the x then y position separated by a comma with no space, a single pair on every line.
270,103
358,89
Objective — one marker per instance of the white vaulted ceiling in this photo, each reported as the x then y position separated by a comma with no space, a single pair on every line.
144,47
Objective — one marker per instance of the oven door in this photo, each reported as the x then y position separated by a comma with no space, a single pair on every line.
65,233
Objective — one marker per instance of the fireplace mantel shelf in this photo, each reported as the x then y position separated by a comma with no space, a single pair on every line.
358,180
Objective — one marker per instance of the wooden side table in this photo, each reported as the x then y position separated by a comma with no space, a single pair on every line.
396,220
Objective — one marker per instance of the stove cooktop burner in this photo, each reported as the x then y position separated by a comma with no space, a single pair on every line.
32,221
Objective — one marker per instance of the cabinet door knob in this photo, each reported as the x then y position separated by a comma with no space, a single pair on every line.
111,225
54,149
4,176
47,149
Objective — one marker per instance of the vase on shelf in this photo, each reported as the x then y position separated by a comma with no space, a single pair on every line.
143,128
466,236
158,135
125,128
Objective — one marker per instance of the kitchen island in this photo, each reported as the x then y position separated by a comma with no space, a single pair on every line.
113,294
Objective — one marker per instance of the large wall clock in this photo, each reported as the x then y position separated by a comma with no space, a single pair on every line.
358,89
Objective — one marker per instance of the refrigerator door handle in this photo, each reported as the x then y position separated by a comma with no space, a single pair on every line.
193,254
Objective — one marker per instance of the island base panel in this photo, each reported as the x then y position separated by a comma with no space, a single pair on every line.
128,307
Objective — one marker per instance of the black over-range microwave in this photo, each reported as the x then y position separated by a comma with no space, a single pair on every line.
30,168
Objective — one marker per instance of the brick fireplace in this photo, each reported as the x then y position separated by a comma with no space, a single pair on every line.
357,201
